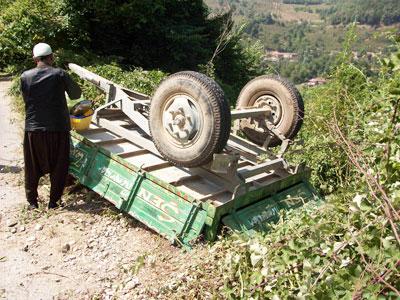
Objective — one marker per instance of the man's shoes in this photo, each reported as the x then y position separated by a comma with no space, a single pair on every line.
54,205
32,206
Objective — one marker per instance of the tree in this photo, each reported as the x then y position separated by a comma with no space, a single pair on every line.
371,12
167,34
24,23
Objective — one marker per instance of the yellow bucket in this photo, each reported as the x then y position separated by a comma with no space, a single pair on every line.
81,122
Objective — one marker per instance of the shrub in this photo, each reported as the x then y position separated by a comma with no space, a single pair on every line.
24,23
136,79
347,248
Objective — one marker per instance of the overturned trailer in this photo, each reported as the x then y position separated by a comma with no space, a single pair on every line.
175,163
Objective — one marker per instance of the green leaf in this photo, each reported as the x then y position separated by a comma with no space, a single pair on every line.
395,91
256,278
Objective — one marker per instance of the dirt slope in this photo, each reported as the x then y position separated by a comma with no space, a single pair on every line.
87,250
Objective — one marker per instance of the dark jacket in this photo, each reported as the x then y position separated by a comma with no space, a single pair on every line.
43,90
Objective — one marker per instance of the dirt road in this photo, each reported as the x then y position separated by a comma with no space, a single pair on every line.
87,250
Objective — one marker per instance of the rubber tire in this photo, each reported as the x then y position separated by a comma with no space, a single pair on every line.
215,112
291,103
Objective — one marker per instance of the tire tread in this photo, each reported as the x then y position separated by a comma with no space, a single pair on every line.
222,119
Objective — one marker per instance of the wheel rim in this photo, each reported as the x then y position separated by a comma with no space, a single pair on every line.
269,101
181,120
256,128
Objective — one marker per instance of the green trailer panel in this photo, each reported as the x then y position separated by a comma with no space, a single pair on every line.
131,191
256,217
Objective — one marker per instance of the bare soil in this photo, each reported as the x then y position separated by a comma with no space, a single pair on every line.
86,250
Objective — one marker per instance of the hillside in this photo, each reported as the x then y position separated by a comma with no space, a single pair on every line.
300,40
371,12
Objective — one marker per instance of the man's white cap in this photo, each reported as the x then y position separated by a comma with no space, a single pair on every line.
41,49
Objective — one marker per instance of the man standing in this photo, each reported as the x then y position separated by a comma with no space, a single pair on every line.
47,125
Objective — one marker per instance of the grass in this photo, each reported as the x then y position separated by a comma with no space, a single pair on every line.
26,216
111,213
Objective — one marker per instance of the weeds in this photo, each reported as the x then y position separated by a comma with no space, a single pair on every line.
110,213
26,216
349,247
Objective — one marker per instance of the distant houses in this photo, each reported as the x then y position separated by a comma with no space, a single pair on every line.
277,56
316,81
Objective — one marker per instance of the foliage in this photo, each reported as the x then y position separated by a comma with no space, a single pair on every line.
241,61
333,251
307,2
166,35
171,35
354,99
369,12
314,54
286,28
313,64
136,79
254,26
347,247
24,23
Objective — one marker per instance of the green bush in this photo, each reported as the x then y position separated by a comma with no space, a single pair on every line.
136,79
345,248
167,35
24,23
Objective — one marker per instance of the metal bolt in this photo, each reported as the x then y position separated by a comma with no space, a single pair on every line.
179,120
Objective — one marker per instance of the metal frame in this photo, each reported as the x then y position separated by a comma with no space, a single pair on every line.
135,106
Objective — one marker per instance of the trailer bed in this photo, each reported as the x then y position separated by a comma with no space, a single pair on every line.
180,203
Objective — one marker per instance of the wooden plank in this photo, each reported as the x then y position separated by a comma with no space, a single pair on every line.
130,126
238,146
129,135
258,177
162,165
261,168
99,136
267,180
112,141
200,187
133,153
222,199
119,121
281,172
121,148
172,174
243,163
110,113
244,153
145,160
215,178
